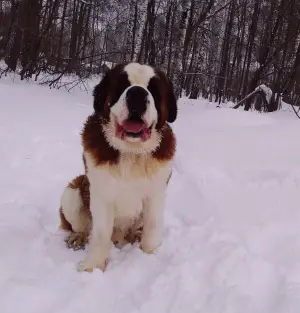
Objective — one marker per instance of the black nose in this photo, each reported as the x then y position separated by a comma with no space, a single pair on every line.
136,98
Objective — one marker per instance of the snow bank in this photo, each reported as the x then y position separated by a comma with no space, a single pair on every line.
232,235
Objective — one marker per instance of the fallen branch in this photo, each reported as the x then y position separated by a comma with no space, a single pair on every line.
247,97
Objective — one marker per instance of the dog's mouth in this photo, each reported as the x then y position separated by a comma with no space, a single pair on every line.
133,129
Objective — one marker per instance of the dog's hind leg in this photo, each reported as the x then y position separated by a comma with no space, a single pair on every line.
74,212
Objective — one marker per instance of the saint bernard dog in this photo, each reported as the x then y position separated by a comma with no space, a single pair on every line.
128,149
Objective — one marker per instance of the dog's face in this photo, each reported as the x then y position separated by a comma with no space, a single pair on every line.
135,101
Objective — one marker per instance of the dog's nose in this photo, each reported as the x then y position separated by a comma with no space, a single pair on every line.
136,98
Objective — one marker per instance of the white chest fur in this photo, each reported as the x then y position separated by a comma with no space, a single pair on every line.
126,186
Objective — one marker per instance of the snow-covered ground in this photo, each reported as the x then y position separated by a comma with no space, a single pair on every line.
232,227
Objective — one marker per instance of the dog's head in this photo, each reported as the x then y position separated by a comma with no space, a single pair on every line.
135,102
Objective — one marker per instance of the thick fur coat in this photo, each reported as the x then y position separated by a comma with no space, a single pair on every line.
128,149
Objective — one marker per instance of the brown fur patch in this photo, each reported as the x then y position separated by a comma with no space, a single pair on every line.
76,182
135,166
105,91
167,148
162,90
94,142
83,184
134,235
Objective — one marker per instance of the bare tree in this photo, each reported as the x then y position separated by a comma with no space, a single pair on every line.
220,50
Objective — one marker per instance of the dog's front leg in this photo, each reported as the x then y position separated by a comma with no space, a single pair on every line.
102,228
153,220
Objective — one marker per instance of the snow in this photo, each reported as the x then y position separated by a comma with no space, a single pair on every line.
232,218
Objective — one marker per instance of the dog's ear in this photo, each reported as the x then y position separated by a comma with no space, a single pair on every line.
171,102
168,96
100,94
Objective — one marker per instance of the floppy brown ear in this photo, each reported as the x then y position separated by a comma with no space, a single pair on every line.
171,102
100,94
169,97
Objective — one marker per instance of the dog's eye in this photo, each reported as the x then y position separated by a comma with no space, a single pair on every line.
119,86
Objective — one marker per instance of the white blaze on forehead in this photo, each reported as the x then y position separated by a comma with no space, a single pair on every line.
139,74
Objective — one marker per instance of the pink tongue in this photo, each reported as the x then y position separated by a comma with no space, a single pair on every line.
146,134
133,127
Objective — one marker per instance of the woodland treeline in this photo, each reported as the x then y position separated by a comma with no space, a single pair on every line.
217,49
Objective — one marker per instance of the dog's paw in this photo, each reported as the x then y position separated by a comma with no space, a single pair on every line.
134,236
77,241
149,248
118,239
87,266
